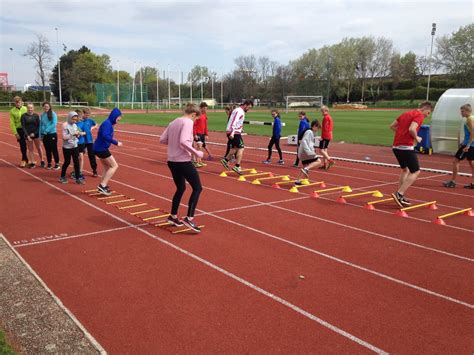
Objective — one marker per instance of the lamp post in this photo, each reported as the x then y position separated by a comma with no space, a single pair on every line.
133,83
433,31
169,89
157,88
141,86
59,67
118,84
13,69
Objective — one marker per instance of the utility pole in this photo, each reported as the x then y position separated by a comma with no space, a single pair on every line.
59,67
433,31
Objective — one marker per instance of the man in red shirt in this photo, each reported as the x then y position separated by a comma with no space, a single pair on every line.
406,129
201,133
326,137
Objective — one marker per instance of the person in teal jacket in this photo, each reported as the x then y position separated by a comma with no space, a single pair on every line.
48,133
15,123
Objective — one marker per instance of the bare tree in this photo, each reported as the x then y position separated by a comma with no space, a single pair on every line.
41,53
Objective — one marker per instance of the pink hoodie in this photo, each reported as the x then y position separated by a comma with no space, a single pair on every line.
179,138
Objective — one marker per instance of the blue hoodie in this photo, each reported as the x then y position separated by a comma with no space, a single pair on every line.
105,136
277,127
304,125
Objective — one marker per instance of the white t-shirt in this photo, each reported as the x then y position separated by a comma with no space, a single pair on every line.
236,121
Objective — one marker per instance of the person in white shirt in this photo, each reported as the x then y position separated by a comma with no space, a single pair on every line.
234,134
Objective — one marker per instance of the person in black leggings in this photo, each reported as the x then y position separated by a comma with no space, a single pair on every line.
179,138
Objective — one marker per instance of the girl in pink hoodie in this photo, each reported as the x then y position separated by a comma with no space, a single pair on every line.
179,138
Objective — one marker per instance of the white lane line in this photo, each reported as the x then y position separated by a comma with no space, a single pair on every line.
77,235
217,268
83,329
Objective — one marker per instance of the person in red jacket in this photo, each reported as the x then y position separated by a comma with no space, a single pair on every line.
201,134
326,137
406,128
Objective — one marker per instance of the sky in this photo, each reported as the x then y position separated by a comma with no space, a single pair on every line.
212,33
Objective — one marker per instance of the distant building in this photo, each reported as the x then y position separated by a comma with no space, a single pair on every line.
4,86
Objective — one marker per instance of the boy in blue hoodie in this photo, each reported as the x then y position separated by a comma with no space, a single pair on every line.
105,137
275,140
89,125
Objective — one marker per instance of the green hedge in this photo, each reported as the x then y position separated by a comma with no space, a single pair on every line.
34,96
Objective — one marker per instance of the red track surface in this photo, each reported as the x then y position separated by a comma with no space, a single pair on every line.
270,268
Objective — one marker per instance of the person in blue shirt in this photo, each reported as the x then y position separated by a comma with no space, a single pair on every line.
49,136
89,126
303,127
466,148
105,137
81,143
275,139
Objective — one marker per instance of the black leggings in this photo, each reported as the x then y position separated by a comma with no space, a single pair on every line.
297,161
274,141
68,153
22,142
91,155
182,172
50,142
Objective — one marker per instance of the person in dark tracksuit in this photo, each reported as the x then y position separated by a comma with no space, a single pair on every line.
48,123
275,139
302,128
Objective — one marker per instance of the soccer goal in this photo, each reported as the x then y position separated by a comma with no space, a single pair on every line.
303,102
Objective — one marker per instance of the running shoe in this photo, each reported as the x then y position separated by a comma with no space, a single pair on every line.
268,161
191,225
400,200
304,171
174,221
63,180
237,169
32,165
73,175
80,181
210,158
104,190
295,165
94,174
330,163
56,167
405,202
49,167
281,162
470,186
22,164
42,164
298,182
450,184
225,164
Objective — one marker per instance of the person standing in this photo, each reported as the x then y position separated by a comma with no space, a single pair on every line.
15,124
70,135
105,137
201,132
326,137
234,135
48,123
89,125
303,126
178,136
275,139
30,122
406,128
466,148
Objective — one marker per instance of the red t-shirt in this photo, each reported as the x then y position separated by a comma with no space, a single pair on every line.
326,131
402,135
200,125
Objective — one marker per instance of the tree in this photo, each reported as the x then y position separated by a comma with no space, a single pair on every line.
380,64
41,53
456,55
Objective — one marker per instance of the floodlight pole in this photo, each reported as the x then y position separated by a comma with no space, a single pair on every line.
59,67
133,84
212,87
13,69
118,84
157,88
433,31
202,92
190,87
141,86
222,91
169,89
179,87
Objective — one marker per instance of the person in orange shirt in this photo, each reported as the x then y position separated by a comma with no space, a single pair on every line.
201,134
326,137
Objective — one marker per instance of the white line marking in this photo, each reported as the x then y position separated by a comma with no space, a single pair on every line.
89,336
215,267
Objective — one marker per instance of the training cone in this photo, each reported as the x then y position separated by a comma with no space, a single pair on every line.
270,174
323,185
241,178
276,186
469,213
314,194
369,207
401,213
253,171
305,181
294,189
439,221
341,200
223,174
346,189
285,178
256,182
377,194
433,206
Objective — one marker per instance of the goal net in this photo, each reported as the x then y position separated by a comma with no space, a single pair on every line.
303,102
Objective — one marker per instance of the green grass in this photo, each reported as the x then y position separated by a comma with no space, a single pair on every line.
5,349
367,127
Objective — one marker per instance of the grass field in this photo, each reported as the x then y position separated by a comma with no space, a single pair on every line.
5,349
368,127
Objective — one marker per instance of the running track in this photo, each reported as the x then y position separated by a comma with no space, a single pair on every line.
272,271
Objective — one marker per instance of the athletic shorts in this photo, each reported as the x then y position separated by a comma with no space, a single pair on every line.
236,142
82,147
201,138
407,159
309,161
103,155
460,154
324,143
36,136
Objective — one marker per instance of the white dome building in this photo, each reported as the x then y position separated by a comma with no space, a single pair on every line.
446,122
